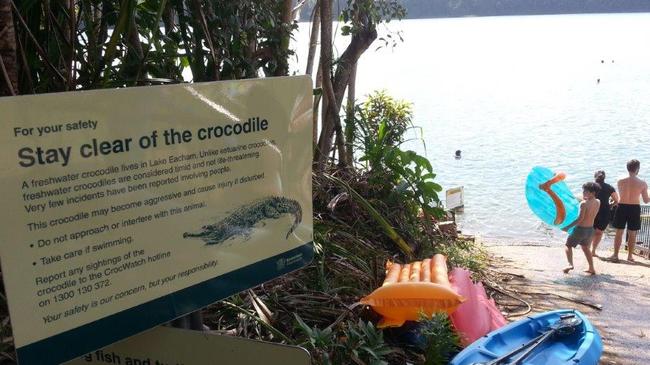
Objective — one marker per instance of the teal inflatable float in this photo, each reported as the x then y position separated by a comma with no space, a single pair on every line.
550,198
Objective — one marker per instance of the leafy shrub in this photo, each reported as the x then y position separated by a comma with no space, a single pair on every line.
442,341
466,254
381,121
378,130
354,342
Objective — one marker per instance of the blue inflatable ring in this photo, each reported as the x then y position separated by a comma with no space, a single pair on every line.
550,199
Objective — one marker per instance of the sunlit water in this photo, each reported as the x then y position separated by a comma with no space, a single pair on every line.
515,92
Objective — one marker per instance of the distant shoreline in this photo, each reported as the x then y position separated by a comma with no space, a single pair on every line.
305,18
515,14
419,10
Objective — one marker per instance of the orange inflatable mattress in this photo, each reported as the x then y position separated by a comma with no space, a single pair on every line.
412,290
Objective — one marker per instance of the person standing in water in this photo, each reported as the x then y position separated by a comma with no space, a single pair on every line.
602,219
628,212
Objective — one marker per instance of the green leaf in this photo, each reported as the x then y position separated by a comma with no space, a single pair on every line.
185,62
381,132
383,223
303,326
434,186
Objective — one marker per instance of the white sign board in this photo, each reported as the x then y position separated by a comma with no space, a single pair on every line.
124,209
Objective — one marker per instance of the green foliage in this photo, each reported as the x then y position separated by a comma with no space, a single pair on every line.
442,341
6,335
88,44
320,343
340,267
383,120
378,128
467,254
416,179
355,342
358,14
365,343
381,221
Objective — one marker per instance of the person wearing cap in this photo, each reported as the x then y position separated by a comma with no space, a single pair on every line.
602,219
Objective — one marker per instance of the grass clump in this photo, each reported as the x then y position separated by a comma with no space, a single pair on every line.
357,342
442,342
466,254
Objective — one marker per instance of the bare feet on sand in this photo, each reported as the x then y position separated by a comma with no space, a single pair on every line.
567,269
594,254
591,272
612,259
631,259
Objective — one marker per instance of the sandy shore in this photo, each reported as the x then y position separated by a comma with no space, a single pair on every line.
622,289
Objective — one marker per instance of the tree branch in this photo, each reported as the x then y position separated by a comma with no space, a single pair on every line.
8,83
8,56
313,39
327,125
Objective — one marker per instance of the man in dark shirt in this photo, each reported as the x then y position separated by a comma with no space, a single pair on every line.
602,219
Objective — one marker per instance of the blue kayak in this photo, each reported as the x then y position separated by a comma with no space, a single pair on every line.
582,346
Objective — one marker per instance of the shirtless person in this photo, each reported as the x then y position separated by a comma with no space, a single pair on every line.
628,213
584,231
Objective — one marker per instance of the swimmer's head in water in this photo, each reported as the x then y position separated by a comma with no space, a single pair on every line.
457,153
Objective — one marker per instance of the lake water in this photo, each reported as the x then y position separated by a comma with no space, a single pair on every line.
515,92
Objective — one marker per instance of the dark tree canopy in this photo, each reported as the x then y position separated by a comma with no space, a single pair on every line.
67,45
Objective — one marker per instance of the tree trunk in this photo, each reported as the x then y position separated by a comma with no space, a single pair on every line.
347,63
358,45
327,125
313,39
285,29
340,144
317,99
330,121
8,59
200,20
349,125
91,29
72,21
134,53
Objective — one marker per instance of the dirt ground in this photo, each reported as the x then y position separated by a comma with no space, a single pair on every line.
622,290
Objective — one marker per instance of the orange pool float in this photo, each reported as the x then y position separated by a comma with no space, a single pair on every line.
559,206
412,290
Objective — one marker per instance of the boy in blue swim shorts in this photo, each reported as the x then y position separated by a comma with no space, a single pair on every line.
584,231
